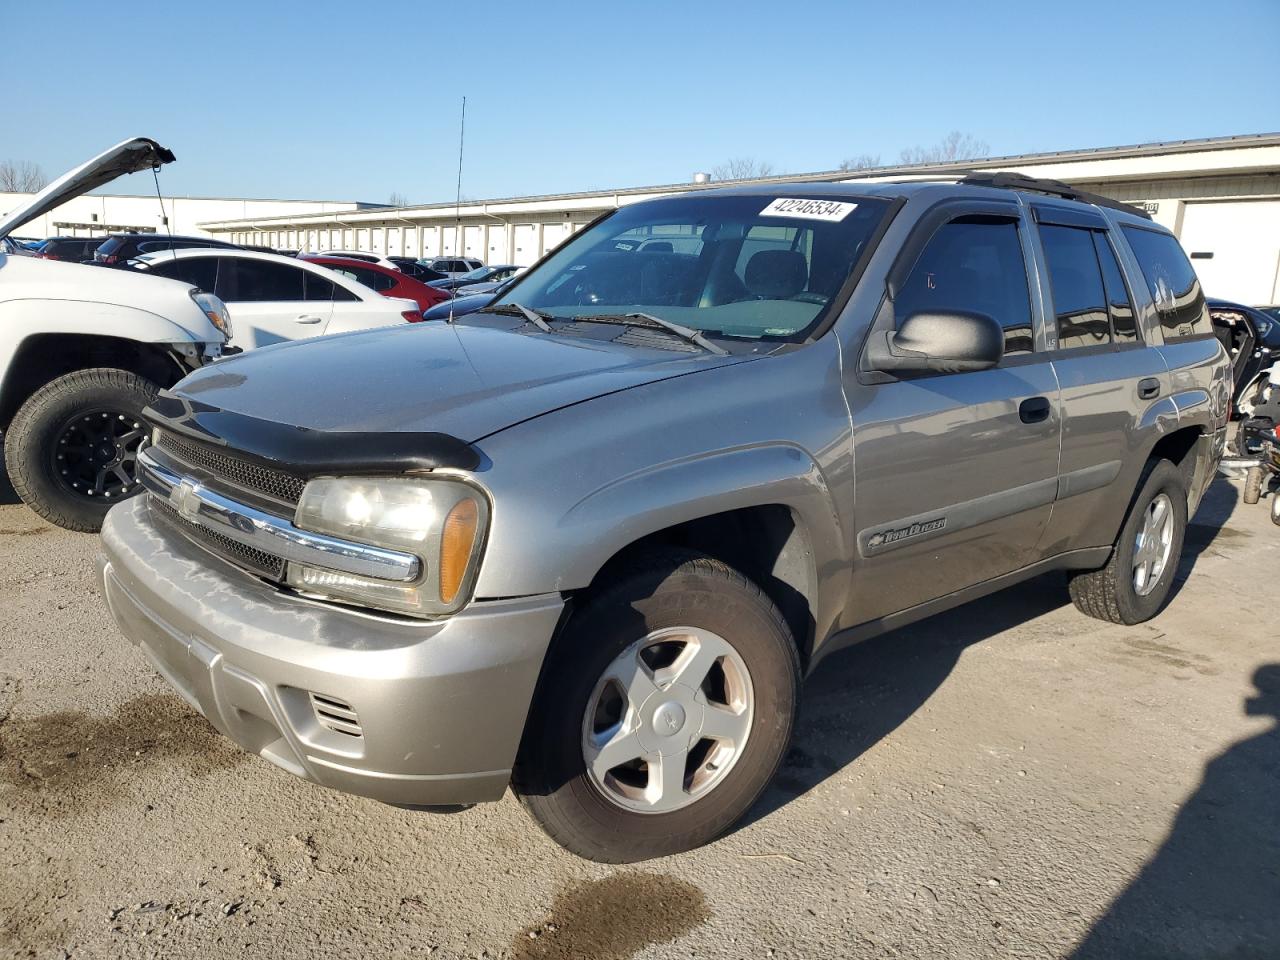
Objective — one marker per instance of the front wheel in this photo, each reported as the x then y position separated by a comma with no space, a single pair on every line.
72,448
1135,583
664,710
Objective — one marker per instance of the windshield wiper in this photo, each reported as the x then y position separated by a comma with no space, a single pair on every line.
536,317
683,332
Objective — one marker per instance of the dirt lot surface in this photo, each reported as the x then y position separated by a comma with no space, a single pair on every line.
1006,780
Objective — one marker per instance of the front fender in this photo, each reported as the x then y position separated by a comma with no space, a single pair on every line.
21,320
655,498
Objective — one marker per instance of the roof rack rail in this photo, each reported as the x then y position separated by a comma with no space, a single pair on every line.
1054,188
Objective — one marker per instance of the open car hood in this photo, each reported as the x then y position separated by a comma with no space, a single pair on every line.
127,157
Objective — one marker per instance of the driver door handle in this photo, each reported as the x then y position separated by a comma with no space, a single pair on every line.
308,319
1034,410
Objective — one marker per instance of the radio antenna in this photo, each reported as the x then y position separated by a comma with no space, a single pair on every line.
457,203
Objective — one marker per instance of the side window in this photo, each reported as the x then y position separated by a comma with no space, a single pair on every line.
1075,278
201,272
974,265
257,281
316,287
1173,283
372,279
1123,323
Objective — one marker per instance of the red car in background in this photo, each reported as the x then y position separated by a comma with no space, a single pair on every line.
389,283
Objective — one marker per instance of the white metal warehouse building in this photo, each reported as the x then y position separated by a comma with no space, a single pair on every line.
98,214
1220,196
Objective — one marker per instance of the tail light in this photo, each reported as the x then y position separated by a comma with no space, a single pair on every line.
107,258
413,316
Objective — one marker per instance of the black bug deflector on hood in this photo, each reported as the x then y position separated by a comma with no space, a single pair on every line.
310,453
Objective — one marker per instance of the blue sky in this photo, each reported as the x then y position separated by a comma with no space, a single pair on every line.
356,100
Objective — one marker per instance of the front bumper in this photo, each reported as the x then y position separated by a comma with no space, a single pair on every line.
439,706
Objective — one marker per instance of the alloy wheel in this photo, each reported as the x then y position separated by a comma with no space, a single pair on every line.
667,720
1152,545
95,454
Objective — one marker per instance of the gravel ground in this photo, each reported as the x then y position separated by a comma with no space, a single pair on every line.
1006,780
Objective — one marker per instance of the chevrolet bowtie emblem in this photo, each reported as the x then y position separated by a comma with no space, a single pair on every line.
184,499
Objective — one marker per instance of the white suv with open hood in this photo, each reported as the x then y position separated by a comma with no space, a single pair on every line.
83,350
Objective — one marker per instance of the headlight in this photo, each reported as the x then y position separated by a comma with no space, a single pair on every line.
215,310
439,520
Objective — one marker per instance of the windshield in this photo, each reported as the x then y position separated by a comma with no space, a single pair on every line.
758,267
478,274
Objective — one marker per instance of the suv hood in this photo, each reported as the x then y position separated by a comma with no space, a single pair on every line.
460,380
130,156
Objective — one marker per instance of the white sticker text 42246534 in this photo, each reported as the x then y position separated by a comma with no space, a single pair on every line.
808,209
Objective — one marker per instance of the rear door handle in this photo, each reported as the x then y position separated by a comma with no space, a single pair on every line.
1148,388
1034,409
309,319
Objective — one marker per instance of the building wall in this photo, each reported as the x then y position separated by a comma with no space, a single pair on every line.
94,215
1220,197
1228,225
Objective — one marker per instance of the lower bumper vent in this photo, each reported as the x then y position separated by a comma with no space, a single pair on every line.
336,715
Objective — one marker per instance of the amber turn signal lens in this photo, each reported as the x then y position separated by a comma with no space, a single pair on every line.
456,545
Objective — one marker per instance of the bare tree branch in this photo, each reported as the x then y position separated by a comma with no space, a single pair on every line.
742,168
863,161
397,199
21,177
954,146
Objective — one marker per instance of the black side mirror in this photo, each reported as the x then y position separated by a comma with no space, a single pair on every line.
938,342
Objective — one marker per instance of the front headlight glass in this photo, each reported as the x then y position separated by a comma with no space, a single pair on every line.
441,521
215,310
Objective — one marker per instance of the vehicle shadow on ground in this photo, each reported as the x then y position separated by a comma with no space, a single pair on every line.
860,695
1213,887
1207,528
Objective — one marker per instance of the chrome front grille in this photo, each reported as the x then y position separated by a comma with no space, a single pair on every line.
256,561
228,469
261,540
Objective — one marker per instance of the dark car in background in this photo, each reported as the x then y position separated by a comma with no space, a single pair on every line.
468,303
1251,338
479,275
73,249
412,268
119,248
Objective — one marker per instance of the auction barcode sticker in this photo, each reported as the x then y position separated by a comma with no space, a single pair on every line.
808,209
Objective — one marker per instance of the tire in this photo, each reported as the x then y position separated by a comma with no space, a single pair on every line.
665,594
1253,485
1111,593
113,398
1275,508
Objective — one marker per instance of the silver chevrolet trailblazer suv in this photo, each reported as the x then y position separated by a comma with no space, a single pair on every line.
588,541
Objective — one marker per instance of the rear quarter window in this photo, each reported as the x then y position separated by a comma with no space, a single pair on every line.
1172,281
110,246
